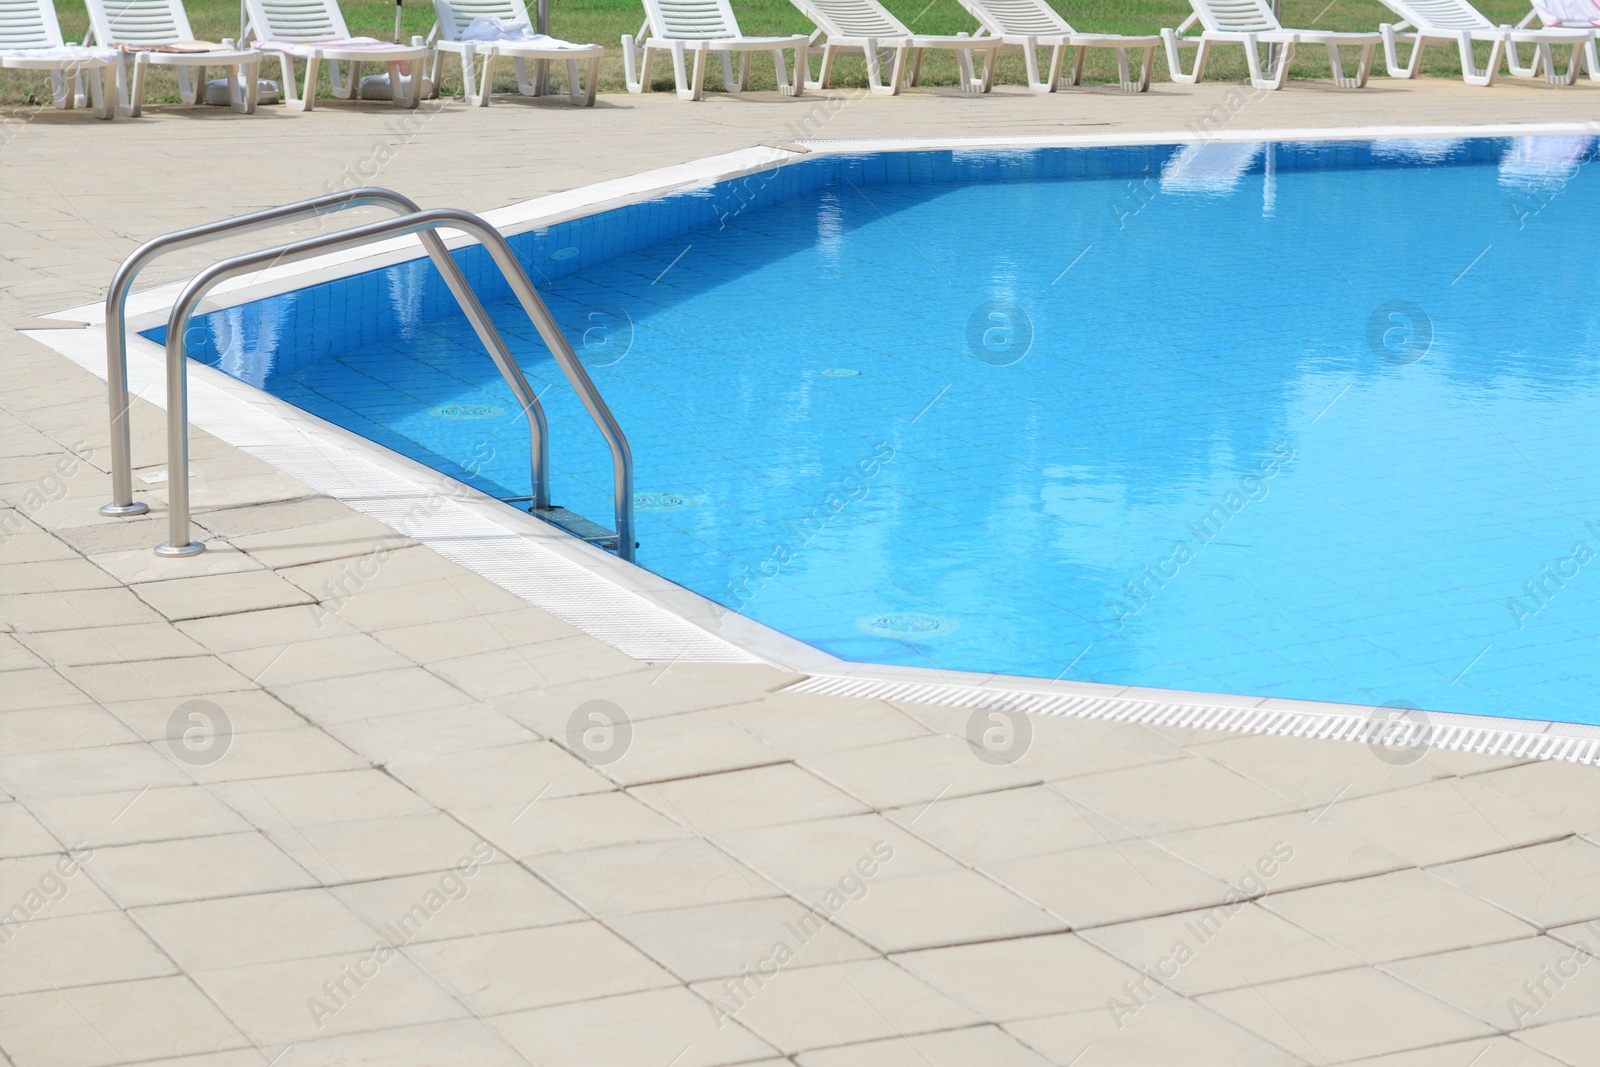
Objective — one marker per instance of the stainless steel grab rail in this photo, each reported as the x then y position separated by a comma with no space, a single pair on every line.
122,502
421,222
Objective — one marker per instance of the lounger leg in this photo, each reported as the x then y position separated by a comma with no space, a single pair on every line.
1270,78
688,89
103,91
1363,67
1591,53
250,86
1469,63
1170,38
1143,85
824,71
308,99
485,86
874,72
989,58
897,72
630,77
1075,73
130,88
916,68
802,63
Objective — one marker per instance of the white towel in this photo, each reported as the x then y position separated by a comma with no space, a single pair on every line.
1568,12
488,28
72,53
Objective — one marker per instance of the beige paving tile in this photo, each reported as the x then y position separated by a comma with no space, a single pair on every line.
291,1001
52,729
837,1004
721,940
1067,748
495,777
190,676
1141,797
1407,913
1548,885
664,1026
21,834
646,693
1438,822
923,911
376,607
1512,984
914,771
664,874
456,1043
240,521
419,736
520,969
1012,824
1493,1052
1112,883
366,696
1566,793
31,545
54,576
1344,1015
114,1023
241,1057
50,886
1161,1033
14,656
113,644
255,928
979,1046
220,594
486,675
27,690
1570,1041
1220,948
248,711
677,746
390,569
378,848
137,565
743,800
75,771
308,661
814,855
1023,977
803,725
272,753
479,899
354,535
78,950
75,610
1580,935
570,824
195,868
274,628
310,799
1283,852
1312,773
452,639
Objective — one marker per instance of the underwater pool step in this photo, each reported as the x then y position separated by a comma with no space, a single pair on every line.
574,524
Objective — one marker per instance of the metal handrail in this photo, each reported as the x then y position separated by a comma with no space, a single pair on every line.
122,502
421,222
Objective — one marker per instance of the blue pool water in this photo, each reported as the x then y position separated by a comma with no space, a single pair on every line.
1313,421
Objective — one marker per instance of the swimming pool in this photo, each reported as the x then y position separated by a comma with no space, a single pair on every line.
1300,420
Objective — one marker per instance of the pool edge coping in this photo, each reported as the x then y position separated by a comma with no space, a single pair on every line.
682,625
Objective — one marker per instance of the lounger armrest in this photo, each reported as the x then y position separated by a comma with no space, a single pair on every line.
1115,40
1336,37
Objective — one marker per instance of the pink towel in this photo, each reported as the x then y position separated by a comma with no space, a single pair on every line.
1568,12
305,48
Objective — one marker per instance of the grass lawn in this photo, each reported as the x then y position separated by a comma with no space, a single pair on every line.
605,21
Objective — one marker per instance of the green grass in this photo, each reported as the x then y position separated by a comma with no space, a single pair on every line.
605,21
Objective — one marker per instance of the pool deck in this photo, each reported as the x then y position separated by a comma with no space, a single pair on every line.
405,856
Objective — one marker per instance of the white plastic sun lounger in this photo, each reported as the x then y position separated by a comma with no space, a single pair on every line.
704,26
1029,25
30,39
1251,23
1457,22
1566,15
866,26
315,30
460,31
156,33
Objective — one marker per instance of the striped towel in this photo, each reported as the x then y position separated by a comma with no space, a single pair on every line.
305,48
1568,12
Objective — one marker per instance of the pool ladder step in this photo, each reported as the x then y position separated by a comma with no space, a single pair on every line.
572,523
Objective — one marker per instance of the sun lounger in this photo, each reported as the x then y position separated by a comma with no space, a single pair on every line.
156,33
314,31
1029,25
867,27
487,30
1252,24
1457,22
30,39
680,27
1567,15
